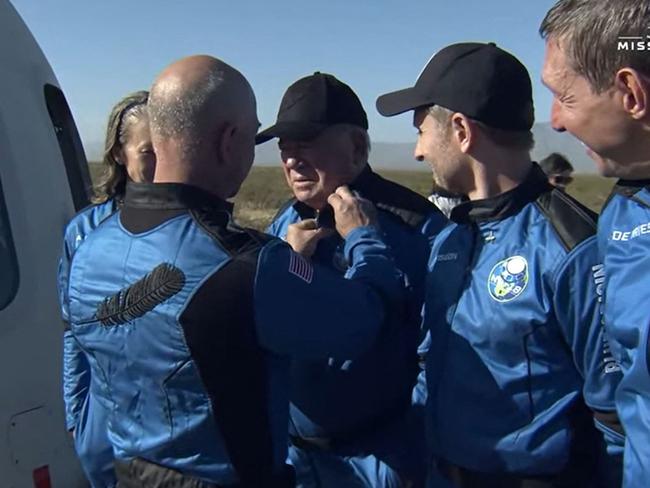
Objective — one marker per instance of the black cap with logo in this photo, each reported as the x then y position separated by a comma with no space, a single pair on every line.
312,104
482,81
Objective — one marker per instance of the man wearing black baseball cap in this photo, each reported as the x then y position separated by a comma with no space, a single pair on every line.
516,346
351,421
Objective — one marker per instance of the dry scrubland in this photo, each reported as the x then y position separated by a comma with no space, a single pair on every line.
265,190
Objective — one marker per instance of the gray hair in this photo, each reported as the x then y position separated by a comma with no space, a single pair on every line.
589,30
347,128
131,115
519,140
441,115
176,114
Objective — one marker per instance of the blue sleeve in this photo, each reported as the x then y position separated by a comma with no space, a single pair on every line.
76,371
76,379
371,262
308,311
577,304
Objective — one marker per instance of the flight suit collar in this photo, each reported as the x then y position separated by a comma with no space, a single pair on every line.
172,196
628,188
362,182
386,195
506,204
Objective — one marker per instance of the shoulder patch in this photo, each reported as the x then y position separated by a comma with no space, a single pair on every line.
571,220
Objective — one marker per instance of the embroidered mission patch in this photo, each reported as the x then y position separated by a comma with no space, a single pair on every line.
508,279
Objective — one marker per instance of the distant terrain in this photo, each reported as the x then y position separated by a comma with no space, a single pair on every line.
265,190
399,156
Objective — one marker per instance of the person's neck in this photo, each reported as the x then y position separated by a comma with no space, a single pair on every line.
500,177
636,154
636,171
172,173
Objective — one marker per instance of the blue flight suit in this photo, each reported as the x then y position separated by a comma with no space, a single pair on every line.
183,318
84,415
624,241
351,421
516,345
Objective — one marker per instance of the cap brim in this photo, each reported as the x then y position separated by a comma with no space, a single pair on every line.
300,131
401,101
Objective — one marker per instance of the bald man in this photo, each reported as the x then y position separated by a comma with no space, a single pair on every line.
183,313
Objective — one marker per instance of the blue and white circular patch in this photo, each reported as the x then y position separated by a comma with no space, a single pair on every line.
508,279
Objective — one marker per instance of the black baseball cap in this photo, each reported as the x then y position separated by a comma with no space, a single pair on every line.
312,104
482,81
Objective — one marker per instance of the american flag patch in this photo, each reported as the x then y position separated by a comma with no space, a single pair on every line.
300,267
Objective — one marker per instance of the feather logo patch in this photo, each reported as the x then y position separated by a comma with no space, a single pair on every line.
157,286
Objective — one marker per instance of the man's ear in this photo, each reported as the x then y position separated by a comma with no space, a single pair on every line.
635,88
463,131
223,141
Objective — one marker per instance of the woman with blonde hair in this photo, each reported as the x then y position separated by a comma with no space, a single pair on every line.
128,156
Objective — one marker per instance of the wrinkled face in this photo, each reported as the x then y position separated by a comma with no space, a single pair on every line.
435,146
597,120
314,169
137,152
560,179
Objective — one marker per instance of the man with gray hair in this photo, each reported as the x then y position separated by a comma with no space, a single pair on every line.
352,424
185,321
597,65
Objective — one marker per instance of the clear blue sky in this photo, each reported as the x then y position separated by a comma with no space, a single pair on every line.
102,49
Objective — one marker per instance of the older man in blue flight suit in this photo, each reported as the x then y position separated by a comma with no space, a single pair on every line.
351,421
182,314
601,97
517,348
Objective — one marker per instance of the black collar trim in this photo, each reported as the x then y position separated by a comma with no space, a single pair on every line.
629,188
386,195
506,204
172,196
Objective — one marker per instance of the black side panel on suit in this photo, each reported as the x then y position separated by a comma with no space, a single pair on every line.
220,331
572,221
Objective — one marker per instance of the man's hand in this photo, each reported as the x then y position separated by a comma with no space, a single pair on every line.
304,236
351,211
